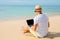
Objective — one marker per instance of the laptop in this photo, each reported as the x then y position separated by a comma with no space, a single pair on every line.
30,22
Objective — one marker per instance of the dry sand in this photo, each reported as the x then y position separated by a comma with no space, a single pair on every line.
11,30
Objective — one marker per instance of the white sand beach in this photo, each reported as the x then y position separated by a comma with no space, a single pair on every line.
11,30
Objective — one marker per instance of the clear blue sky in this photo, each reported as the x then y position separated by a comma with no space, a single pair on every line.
31,2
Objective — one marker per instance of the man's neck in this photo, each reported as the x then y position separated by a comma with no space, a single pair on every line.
40,13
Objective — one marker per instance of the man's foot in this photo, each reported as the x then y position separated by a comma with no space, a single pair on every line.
26,31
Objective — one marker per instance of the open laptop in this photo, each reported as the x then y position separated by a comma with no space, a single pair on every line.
30,22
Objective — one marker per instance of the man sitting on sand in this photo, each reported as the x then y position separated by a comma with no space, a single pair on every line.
41,24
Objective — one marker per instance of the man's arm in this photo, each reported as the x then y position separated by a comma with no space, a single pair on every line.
35,27
48,24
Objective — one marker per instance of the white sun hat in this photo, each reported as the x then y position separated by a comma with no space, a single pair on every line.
38,7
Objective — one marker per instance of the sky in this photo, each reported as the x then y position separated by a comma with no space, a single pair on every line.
30,2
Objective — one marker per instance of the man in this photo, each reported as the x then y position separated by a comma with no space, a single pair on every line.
41,24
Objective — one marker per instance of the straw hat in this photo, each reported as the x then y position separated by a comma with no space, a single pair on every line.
38,7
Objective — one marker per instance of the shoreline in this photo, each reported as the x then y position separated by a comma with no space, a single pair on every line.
22,18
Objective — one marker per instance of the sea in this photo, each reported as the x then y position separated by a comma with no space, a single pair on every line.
23,11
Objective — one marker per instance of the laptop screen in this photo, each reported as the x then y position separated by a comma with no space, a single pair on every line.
30,22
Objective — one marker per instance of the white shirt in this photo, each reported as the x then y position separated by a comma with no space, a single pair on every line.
42,21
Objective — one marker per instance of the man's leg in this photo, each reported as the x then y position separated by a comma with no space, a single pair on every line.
28,29
34,33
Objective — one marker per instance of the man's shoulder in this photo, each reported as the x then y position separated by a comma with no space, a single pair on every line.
39,16
44,15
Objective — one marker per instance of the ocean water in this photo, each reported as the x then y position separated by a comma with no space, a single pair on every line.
22,11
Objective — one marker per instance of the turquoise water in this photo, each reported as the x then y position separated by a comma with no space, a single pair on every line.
15,11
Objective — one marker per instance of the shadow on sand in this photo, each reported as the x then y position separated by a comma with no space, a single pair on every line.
53,35
50,35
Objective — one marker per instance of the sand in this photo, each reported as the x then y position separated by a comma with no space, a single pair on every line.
12,30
